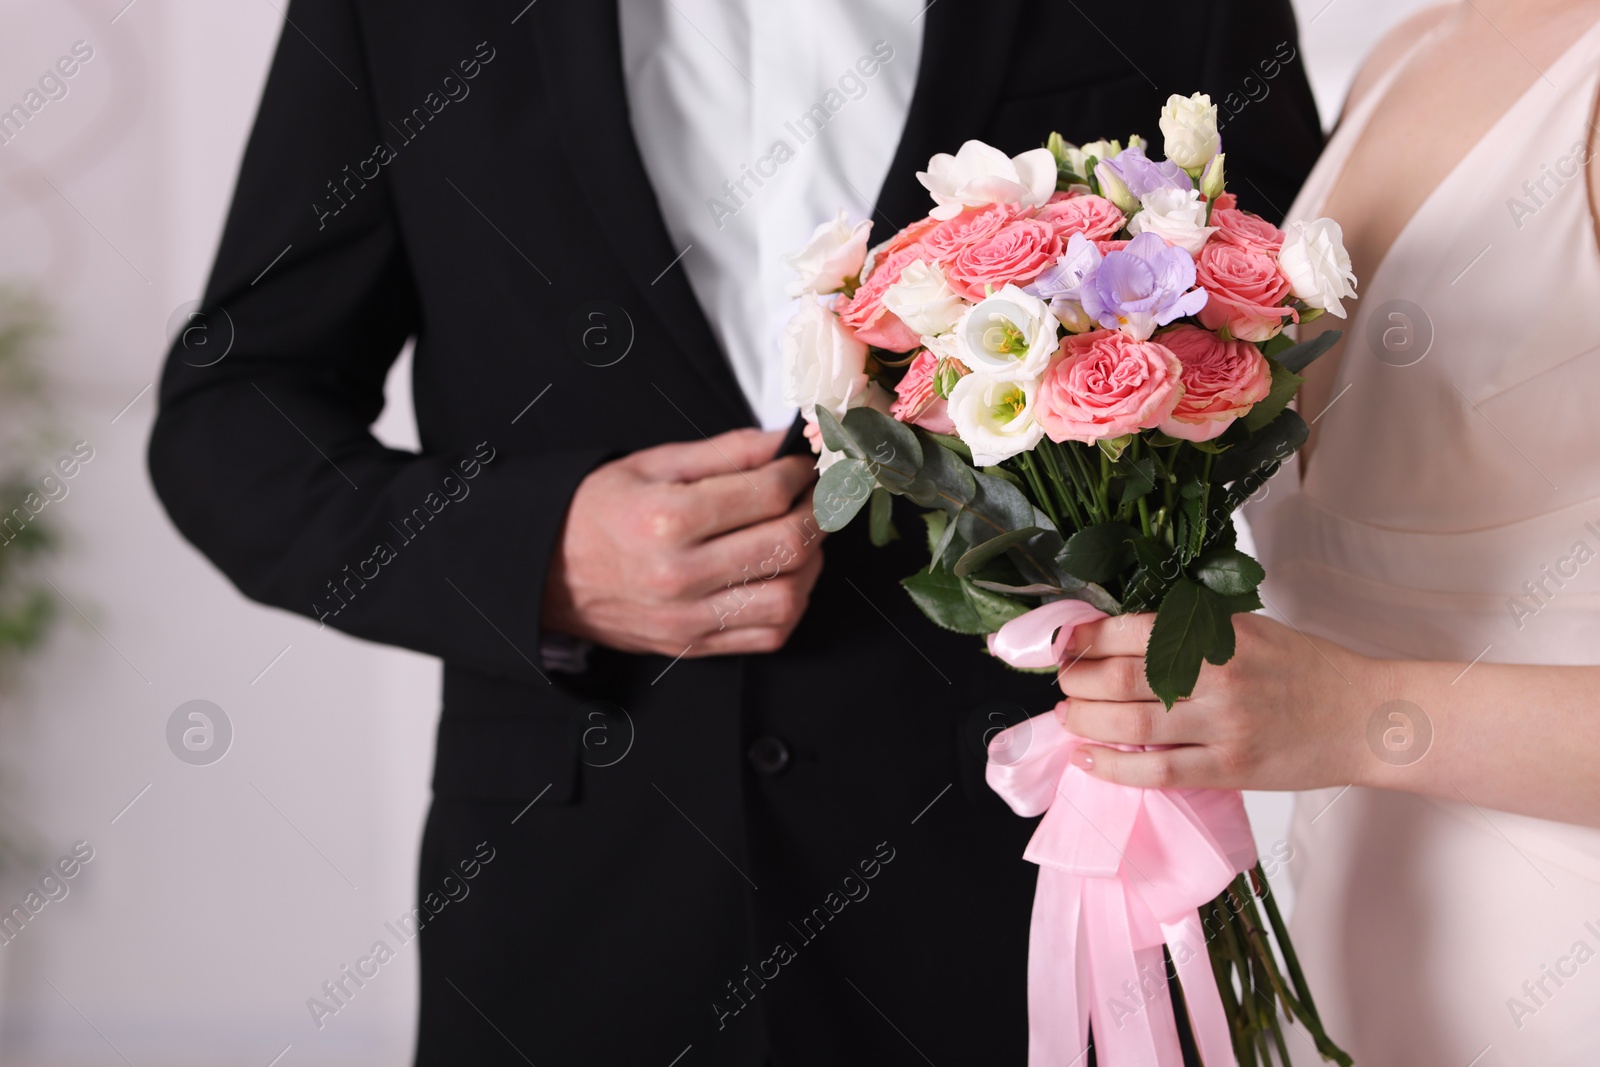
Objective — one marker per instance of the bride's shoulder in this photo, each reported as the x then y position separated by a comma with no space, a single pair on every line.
1392,48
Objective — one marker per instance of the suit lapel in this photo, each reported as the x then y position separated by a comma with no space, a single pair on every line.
973,42
580,52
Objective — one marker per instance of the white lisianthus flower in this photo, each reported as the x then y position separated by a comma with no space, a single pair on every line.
1189,126
835,252
823,363
994,417
1009,336
981,174
923,300
1076,157
1317,266
1177,216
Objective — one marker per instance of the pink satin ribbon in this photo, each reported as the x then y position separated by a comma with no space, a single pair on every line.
1122,871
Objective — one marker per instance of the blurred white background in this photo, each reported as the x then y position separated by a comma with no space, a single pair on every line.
219,897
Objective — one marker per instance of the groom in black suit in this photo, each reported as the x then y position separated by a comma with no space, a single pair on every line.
781,851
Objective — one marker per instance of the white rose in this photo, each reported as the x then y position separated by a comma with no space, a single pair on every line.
1177,216
1189,125
994,417
835,252
981,174
1009,336
1317,266
823,363
923,300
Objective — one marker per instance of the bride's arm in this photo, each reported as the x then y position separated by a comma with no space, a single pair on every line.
1293,712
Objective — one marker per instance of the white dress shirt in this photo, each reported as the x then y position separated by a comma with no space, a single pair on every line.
757,120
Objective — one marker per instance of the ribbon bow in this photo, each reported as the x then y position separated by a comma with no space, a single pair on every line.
1122,871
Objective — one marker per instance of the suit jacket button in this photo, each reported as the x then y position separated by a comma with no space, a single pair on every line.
769,755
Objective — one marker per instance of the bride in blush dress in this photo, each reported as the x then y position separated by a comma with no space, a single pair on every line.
1428,668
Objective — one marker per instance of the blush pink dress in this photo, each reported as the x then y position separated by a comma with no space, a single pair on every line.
1451,511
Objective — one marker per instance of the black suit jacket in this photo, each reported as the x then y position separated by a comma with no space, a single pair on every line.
790,856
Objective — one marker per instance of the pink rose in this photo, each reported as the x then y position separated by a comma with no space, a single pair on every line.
974,224
906,237
1110,246
1225,202
1246,230
918,403
1247,291
864,312
1015,254
1222,380
1093,216
1105,384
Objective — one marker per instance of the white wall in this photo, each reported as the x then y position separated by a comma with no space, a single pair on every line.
224,896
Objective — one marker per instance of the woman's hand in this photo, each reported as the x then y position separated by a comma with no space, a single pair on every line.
1283,713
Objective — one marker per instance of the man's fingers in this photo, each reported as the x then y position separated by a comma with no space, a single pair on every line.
733,500
1120,635
1145,723
756,602
762,551
726,453
1113,678
749,639
1173,768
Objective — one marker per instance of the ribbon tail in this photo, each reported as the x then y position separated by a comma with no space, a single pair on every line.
1207,1020
1058,1013
1132,1012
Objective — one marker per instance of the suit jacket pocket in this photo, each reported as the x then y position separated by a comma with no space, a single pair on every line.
504,740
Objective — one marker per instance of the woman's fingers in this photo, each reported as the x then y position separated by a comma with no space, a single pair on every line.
1112,678
1186,767
1133,723
1119,635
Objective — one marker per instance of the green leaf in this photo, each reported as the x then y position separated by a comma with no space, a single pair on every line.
1263,451
1140,475
1099,553
1229,572
1036,589
954,444
885,442
944,481
1298,357
834,437
841,492
979,554
880,518
1185,628
956,604
937,522
1285,383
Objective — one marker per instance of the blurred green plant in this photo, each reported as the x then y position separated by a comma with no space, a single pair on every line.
27,604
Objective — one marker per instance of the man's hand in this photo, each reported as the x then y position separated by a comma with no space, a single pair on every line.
697,546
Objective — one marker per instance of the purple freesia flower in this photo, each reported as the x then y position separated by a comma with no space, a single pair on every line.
1145,285
1142,175
1059,283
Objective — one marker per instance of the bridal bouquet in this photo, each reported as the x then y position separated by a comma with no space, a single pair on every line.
1076,362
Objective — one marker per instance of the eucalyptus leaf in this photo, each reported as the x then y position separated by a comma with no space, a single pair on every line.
1036,589
880,518
887,443
834,437
979,554
841,492
944,481
1298,357
954,444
